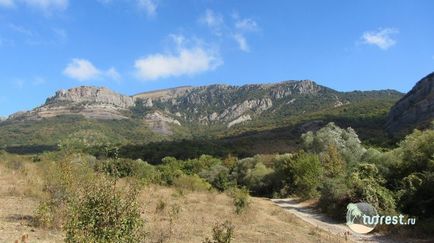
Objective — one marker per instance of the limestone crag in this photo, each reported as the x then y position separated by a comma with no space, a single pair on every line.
90,102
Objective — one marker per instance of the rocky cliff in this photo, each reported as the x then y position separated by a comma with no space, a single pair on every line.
415,109
90,102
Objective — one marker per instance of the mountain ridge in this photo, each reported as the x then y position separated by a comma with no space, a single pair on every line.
414,109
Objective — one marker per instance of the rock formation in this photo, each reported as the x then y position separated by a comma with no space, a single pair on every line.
415,109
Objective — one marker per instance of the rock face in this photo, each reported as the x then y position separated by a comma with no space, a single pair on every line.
415,109
90,102
86,94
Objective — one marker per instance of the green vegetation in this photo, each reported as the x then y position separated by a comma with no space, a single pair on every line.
221,233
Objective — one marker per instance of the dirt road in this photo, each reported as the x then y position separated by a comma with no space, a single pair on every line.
311,215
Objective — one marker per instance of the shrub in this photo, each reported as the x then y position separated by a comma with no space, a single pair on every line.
240,198
306,172
192,183
195,166
368,186
221,233
103,213
129,168
217,176
336,193
61,181
253,174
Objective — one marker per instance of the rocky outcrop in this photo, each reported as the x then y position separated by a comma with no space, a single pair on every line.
160,123
239,120
85,94
90,102
415,109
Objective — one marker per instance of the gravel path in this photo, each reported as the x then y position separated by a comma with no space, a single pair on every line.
310,215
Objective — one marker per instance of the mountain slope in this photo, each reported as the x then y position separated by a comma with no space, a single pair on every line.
415,109
206,112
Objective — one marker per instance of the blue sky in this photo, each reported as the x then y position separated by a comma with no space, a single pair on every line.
133,46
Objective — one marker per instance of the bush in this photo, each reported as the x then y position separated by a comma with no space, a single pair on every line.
191,182
221,233
195,166
129,168
240,198
103,213
306,172
368,186
336,194
61,182
217,176
253,174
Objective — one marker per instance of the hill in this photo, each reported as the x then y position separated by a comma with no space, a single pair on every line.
414,110
232,115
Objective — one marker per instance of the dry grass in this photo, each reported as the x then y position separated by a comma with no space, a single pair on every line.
172,215
20,190
189,217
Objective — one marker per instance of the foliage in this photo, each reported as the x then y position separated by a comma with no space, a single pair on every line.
368,186
240,198
336,193
103,213
333,163
62,180
222,233
306,173
253,174
346,142
217,176
191,182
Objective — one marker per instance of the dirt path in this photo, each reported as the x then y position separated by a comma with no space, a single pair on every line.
310,215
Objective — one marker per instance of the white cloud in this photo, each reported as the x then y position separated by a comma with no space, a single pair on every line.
381,38
81,70
242,42
150,6
185,61
212,19
246,25
84,70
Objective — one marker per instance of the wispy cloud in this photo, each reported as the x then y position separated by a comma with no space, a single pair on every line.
236,28
46,6
83,70
184,61
381,38
246,25
150,6
213,20
242,42
20,29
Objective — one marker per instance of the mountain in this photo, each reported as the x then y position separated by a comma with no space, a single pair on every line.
415,109
90,102
225,112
